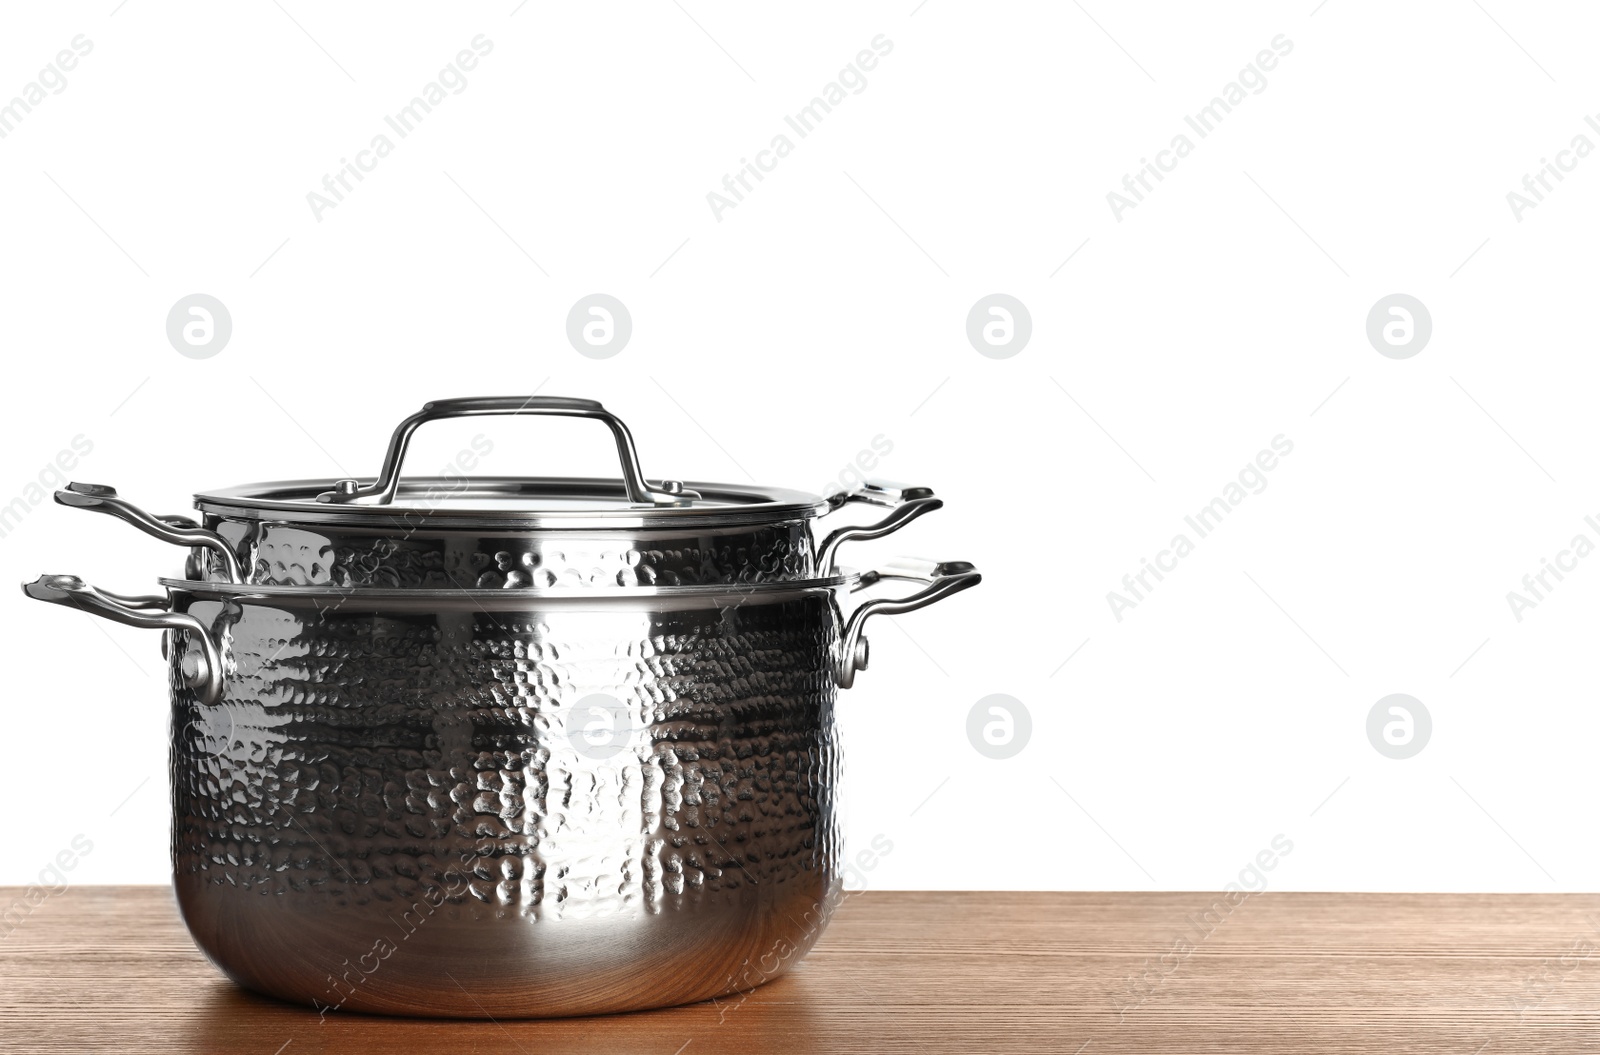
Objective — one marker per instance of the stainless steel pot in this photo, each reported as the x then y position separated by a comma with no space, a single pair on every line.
510,532
507,802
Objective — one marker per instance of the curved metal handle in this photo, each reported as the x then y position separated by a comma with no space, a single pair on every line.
202,668
388,482
941,580
178,530
906,504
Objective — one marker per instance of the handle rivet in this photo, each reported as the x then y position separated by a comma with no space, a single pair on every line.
347,487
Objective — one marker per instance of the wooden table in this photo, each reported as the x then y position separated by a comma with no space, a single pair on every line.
111,969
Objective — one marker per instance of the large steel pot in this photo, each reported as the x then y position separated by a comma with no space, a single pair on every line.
510,532
507,802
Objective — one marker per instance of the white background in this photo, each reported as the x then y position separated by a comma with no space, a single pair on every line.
830,308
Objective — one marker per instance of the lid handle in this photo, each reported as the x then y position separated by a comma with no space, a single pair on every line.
388,482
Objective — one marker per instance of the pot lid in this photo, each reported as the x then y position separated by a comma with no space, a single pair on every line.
512,502
627,501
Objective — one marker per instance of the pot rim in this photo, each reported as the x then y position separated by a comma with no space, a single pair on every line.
295,501
699,596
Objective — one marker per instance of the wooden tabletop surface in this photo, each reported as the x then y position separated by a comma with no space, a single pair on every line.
111,969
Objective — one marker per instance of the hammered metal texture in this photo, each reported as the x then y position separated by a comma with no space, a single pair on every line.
412,791
280,554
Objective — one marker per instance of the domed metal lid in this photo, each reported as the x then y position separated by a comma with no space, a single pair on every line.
628,501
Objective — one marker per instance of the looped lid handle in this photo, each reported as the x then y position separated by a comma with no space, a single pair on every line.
383,489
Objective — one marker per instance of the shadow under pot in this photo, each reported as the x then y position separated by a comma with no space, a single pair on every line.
509,532
509,803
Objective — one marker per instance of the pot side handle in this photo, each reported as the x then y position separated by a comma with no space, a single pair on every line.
201,666
180,531
905,505
940,580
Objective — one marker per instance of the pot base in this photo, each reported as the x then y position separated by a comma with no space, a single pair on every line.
469,960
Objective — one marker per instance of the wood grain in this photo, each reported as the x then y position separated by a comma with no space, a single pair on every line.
111,969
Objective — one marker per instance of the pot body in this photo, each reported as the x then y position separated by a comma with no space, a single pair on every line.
523,806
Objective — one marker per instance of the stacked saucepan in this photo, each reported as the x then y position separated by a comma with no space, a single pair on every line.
508,746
